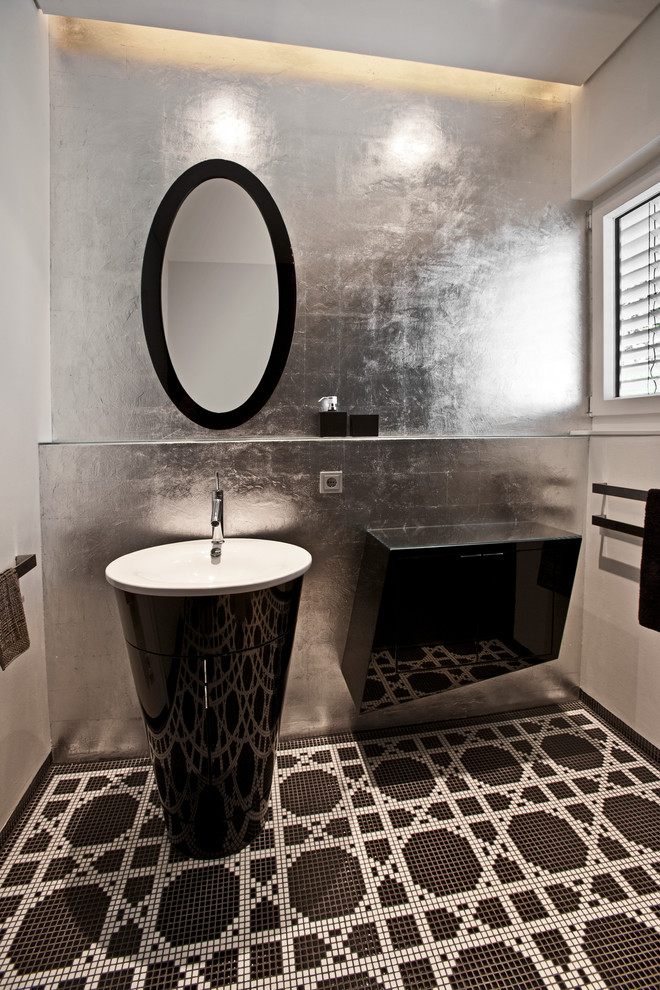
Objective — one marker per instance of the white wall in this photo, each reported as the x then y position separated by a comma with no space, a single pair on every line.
616,133
24,373
616,114
620,659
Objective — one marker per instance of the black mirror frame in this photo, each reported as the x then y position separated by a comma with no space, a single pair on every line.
152,307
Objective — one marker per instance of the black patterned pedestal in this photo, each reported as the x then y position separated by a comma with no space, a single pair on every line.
210,674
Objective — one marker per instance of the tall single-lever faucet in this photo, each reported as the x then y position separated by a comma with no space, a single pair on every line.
217,537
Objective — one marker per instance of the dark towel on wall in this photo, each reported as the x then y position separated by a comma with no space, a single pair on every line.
649,581
14,638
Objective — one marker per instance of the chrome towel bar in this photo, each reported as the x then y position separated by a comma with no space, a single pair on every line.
26,562
635,493
620,527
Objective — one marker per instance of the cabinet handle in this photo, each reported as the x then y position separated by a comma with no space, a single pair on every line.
467,556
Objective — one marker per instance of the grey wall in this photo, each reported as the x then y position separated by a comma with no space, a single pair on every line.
441,283
440,259
108,499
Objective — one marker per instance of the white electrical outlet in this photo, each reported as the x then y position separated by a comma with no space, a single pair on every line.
330,481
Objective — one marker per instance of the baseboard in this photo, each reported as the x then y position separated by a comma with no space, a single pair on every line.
32,789
620,726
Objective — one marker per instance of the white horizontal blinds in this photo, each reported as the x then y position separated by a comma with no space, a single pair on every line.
638,300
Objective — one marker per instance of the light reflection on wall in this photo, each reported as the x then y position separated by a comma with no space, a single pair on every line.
231,124
531,342
160,46
546,374
413,141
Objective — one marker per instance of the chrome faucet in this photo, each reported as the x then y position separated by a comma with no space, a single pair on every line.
217,506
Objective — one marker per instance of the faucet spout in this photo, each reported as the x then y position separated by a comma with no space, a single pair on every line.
217,512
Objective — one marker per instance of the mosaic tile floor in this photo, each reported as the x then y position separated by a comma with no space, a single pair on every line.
510,852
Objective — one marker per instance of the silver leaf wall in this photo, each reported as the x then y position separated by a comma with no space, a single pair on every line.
107,499
442,283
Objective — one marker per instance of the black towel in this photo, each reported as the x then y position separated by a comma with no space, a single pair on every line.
649,581
557,566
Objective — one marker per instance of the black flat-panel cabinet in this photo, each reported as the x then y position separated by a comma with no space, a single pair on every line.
447,615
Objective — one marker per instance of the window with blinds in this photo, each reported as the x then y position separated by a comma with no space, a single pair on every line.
638,300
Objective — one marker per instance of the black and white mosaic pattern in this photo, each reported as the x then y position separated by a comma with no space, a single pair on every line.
517,851
395,677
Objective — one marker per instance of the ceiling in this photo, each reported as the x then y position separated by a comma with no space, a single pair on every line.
555,40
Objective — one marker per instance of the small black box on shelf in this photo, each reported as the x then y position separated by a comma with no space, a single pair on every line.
364,425
332,424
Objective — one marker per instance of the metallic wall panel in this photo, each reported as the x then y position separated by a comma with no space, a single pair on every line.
102,500
441,276
441,262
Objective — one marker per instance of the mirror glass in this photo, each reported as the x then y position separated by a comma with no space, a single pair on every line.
218,294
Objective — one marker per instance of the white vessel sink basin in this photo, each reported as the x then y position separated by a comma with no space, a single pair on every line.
180,569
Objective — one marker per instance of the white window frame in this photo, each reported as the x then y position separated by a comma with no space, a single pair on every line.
609,411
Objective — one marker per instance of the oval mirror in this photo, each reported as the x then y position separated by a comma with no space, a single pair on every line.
218,294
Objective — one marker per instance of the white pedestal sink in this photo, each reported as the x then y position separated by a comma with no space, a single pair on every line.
174,569
209,643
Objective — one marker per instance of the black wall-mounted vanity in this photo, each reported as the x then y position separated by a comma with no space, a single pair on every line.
441,607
